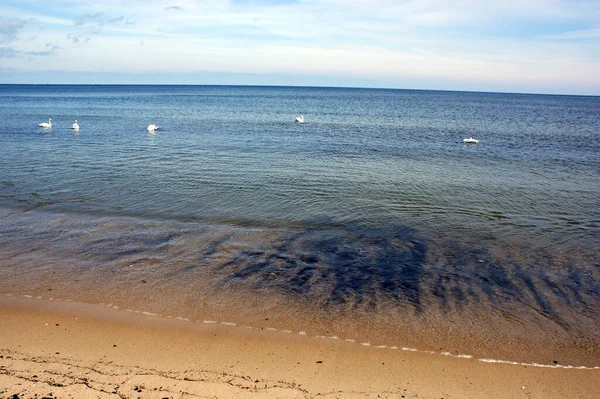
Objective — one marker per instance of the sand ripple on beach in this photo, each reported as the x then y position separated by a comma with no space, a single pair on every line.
25,376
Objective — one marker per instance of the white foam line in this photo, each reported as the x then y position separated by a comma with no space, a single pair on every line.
544,365
486,360
366,343
149,314
548,366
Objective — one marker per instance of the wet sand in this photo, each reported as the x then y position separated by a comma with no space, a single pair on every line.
384,286
67,349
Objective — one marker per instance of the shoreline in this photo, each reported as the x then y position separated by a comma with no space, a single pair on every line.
228,322
80,350
265,279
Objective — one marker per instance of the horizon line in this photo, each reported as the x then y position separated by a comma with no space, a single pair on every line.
300,87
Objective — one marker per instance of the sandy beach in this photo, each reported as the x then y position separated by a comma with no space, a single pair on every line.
73,350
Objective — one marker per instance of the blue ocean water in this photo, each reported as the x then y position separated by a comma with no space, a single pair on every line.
373,209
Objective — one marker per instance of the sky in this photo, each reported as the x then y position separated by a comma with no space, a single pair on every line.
531,46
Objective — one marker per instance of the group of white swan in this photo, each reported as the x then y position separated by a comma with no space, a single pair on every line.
48,125
75,126
152,128
470,140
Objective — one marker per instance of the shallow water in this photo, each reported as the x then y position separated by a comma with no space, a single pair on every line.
372,221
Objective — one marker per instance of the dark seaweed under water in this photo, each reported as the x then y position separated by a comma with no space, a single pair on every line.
372,218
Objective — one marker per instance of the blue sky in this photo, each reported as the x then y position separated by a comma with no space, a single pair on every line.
539,46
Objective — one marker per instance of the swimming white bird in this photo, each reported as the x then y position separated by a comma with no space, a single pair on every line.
152,127
300,119
46,125
471,140
75,125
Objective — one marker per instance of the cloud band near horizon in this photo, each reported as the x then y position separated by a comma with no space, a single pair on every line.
547,46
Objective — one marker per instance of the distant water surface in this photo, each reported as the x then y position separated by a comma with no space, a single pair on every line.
372,220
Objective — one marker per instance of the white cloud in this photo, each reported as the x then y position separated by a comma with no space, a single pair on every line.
384,39
9,29
8,52
593,33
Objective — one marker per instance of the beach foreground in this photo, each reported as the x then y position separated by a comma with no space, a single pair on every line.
67,349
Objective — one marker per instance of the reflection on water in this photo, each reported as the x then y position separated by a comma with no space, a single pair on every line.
337,266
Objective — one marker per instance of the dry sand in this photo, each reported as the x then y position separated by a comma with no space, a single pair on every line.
51,349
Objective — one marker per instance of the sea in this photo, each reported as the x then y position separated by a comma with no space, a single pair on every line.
371,223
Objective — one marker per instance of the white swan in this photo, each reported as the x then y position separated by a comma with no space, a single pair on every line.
46,125
75,125
300,119
471,140
152,127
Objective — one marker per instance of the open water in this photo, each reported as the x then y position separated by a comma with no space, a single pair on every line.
371,222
